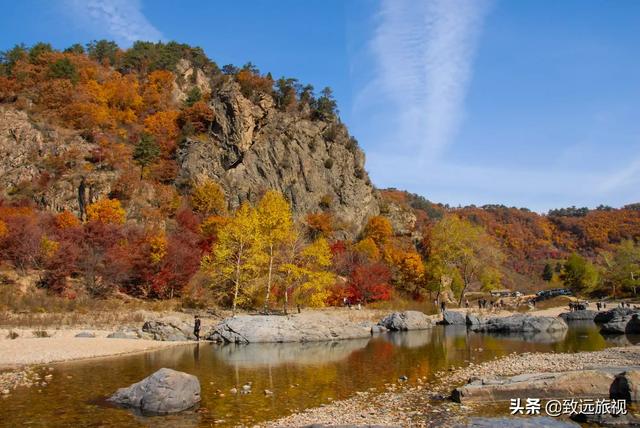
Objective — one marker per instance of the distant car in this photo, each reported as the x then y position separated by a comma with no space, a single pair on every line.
547,294
501,293
516,294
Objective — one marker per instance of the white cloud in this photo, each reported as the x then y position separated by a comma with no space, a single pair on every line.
424,54
122,19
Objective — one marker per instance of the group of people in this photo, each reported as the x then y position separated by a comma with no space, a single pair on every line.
576,306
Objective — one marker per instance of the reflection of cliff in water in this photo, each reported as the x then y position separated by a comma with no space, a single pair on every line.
408,339
274,354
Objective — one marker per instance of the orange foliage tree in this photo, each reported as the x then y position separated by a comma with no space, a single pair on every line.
107,211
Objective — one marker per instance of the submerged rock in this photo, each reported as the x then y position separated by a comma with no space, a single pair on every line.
520,323
165,391
306,327
453,318
169,330
405,321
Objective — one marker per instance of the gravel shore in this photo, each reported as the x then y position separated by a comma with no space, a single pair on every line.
423,403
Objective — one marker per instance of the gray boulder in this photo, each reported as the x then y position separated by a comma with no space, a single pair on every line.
129,333
169,330
405,321
572,384
606,316
520,323
377,329
582,315
617,325
85,334
453,318
305,327
633,326
165,391
626,386
473,319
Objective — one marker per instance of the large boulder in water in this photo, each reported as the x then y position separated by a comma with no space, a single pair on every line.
405,321
581,315
520,323
169,330
606,316
617,325
305,327
453,318
165,391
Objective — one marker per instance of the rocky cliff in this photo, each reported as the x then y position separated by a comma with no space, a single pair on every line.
253,147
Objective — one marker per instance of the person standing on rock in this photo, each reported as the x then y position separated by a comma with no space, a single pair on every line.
196,328
443,306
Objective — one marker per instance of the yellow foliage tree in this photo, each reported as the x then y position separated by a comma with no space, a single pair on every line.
379,229
157,247
276,227
208,198
106,211
238,256
368,248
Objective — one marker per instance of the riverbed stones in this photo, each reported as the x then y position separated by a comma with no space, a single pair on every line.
626,386
406,321
165,391
511,422
521,324
453,318
581,315
571,384
305,327
86,334
169,330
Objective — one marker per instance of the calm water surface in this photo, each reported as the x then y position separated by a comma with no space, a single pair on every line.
300,375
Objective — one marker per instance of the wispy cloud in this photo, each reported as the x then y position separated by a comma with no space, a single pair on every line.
424,54
122,19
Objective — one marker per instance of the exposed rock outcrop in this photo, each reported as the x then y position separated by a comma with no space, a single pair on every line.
606,316
165,391
130,333
520,323
169,330
622,324
306,327
453,318
406,321
253,147
581,315
626,386
572,384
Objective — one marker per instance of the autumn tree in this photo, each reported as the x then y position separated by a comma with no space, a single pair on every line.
319,225
622,269
208,199
106,211
237,257
379,229
460,249
276,228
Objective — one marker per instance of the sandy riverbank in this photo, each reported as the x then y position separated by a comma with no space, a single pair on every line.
419,402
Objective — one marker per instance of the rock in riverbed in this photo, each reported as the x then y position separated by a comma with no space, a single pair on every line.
626,386
527,422
453,318
606,316
130,333
571,384
86,334
165,391
305,327
405,321
169,330
623,324
520,323
581,315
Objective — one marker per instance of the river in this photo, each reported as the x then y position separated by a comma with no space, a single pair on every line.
299,375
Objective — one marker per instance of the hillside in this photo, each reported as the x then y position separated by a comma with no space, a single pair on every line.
154,173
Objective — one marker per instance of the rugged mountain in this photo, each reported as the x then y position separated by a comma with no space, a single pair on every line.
254,147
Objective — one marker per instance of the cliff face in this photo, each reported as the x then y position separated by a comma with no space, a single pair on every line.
253,147
250,148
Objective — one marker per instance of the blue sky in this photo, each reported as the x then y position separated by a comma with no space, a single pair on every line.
525,103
